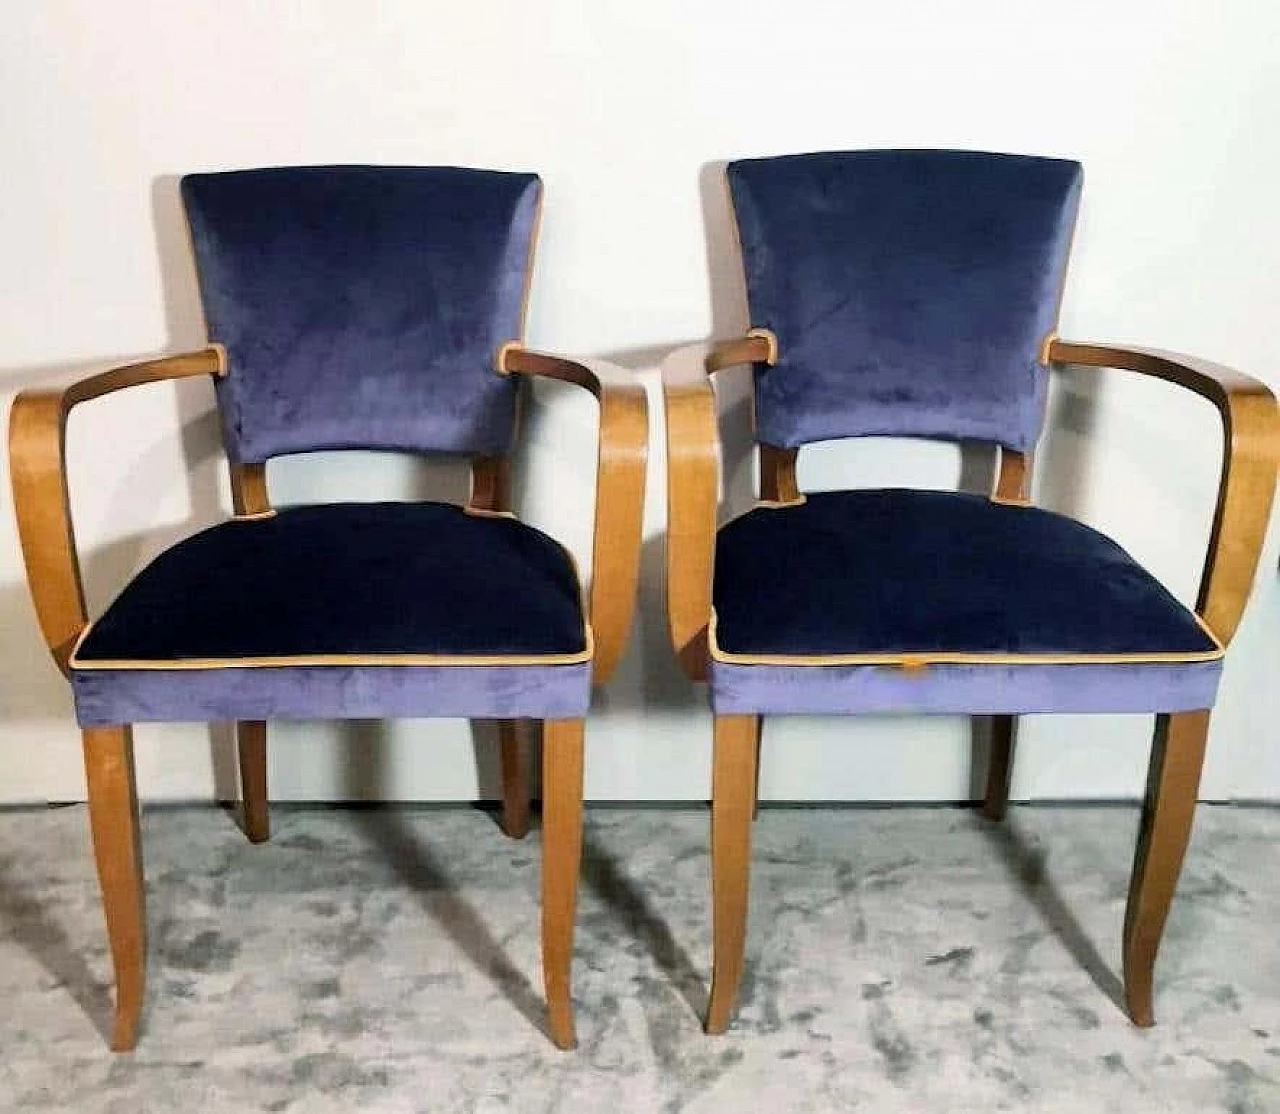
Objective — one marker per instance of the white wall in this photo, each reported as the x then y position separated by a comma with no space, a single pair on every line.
626,109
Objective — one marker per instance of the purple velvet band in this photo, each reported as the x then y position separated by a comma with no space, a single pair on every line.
111,696
962,689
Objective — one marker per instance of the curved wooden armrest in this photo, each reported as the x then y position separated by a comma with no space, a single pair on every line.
693,485
37,459
1251,450
620,477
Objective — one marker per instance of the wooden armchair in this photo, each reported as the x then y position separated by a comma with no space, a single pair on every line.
352,307
916,293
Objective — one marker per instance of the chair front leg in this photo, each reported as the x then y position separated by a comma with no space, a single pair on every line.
117,848
251,743
1177,756
1004,731
733,782
755,800
515,780
561,858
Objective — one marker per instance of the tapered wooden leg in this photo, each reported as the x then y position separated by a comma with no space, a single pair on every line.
755,800
561,856
251,742
515,780
1177,755
1004,731
733,782
117,847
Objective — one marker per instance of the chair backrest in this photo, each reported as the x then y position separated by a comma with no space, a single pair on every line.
362,306
910,291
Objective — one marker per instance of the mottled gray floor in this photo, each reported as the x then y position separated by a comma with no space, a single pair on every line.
900,960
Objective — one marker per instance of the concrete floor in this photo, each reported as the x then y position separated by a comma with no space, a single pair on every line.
387,960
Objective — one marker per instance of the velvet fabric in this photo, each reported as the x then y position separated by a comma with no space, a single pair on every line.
962,689
105,697
348,578
362,306
902,571
910,291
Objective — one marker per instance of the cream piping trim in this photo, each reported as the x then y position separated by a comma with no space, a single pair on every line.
284,661
917,661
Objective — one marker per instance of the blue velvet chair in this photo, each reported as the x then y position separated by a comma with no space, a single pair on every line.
916,293
348,307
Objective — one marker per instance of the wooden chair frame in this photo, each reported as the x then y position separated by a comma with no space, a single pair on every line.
1251,449
37,447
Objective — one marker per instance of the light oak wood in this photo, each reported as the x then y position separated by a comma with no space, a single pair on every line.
755,800
1251,436
37,462
693,493
562,747
117,849
620,479
1013,477
249,490
733,782
693,486
778,475
490,483
1177,757
251,747
516,791
1004,731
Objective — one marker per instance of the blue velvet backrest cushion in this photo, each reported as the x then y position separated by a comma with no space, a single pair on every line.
910,291
361,306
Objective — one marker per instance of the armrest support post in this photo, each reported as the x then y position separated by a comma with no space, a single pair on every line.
38,467
620,478
1251,450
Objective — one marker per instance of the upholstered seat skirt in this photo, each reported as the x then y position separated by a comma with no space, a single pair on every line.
930,601
343,610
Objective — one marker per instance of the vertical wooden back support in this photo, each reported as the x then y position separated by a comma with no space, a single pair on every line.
778,474
1013,477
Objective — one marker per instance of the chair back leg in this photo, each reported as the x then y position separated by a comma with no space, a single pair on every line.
1177,756
561,858
516,792
1000,766
733,795
117,849
251,743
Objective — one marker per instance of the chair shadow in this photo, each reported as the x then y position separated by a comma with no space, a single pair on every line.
602,872
1027,863
24,917
423,873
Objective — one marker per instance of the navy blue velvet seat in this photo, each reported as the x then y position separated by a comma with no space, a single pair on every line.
1015,609
352,588
915,294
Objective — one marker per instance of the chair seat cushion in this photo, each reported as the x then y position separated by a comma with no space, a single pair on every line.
936,602
380,581
938,575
